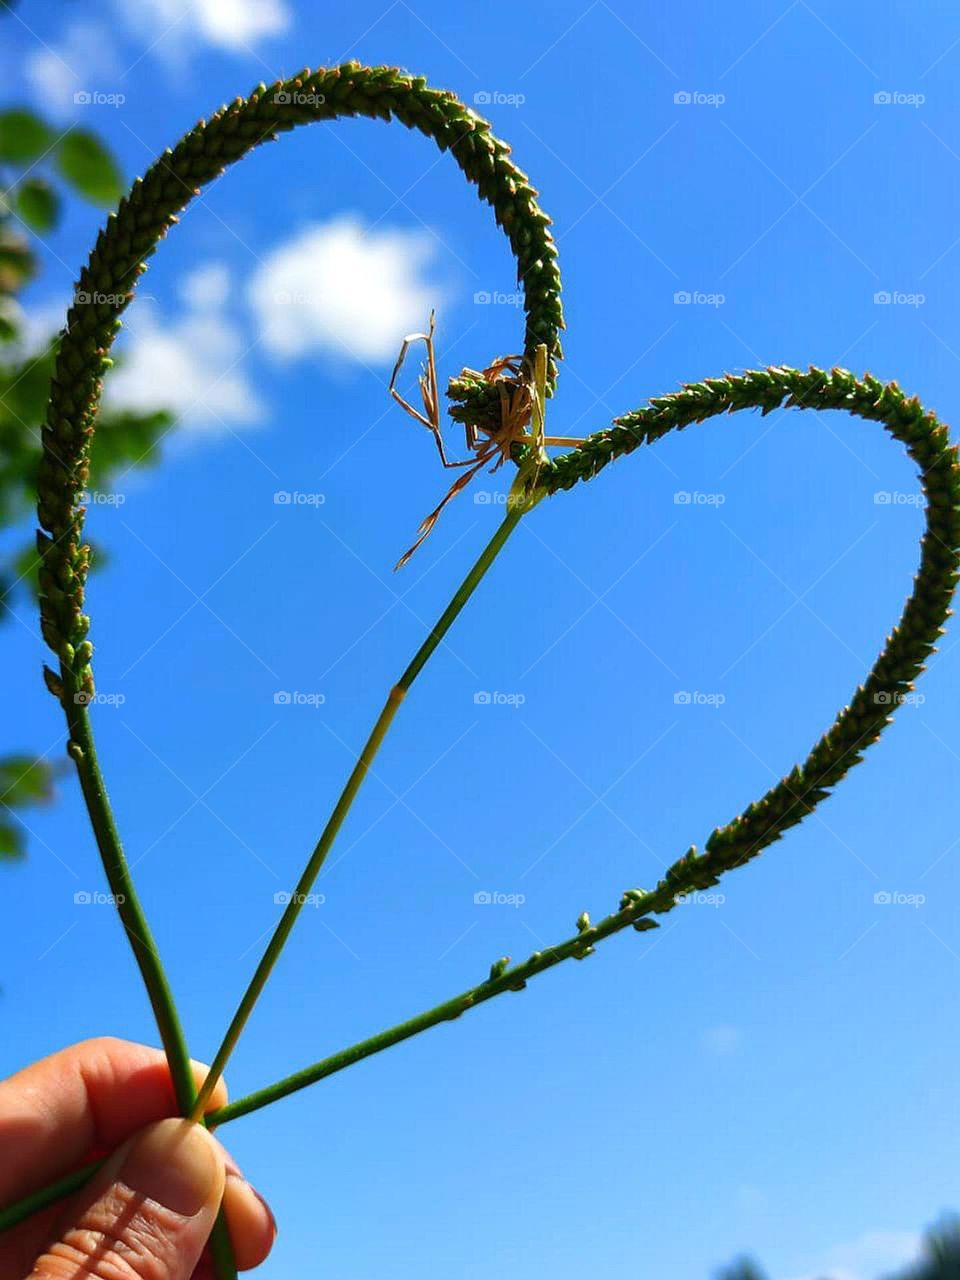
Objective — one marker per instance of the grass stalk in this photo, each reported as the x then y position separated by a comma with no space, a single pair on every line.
271,955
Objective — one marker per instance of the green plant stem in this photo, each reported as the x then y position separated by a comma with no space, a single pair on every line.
105,288
221,1248
135,922
511,980
83,751
14,1214
360,770
764,821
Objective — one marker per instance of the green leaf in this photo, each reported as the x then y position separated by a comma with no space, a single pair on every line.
24,388
37,204
89,167
23,136
25,780
11,841
125,438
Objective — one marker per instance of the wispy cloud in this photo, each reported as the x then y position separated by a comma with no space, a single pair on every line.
94,57
226,24
333,289
345,291
84,61
193,365
875,1253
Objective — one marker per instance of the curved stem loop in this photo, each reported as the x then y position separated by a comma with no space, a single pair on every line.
105,288
789,801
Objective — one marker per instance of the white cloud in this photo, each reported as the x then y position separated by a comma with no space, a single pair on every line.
227,24
207,286
88,57
38,324
192,365
235,23
336,288
875,1253
84,61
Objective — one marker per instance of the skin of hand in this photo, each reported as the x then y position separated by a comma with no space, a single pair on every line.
148,1213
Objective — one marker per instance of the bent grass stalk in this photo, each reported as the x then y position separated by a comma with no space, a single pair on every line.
104,290
788,801
111,274
190,1101
396,695
83,751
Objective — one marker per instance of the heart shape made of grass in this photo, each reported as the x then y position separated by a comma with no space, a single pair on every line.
104,289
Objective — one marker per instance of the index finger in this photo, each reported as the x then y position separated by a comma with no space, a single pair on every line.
81,1103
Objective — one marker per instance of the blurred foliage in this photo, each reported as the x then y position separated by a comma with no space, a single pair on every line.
40,167
742,1269
79,157
940,1260
23,781
86,164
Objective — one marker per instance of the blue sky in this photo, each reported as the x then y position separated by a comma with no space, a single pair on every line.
776,1068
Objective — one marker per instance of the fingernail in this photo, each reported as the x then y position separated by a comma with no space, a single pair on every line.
247,1189
176,1164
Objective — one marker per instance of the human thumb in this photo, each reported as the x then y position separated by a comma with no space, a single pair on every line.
148,1213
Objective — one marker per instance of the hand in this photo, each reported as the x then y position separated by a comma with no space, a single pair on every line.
149,1211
